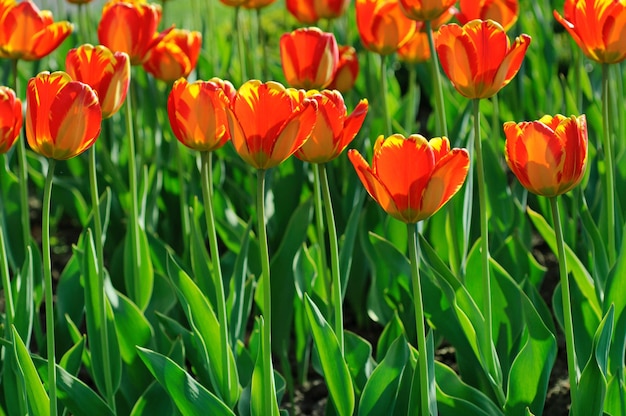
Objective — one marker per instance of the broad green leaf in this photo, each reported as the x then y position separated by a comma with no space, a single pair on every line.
358,356
239,298
263,400
381,390
615,403
155,400
335,369
38,400
614,295
72,358
24,295
139,287
346,247
131,325
390,334
201,261
191,398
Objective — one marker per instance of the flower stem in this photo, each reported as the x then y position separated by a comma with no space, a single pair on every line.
47,283
334,256
261,38
319,219
608,159
95,202
383,94
207,179
422,363
440,111
567,307
409,115
6,281
240,46
267,291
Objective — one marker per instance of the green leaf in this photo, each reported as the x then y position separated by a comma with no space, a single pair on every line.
379,394
191,398
72,358
38,400
358,356
139,287
132,326
154,400
614,295
262,396
335,369
201,261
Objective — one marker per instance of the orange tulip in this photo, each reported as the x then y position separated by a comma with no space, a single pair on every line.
63,116
28,33
412,178
598,27
106,72
309,57
382,25
269,122
197,113
548,156
227,86
425,9
256,4
129,27
175,55
310,11
478,57
10,118
416,50
347,70
334,128
502,11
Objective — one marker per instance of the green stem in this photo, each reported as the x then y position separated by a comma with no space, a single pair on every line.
383,94
133,285
608,159
210,29
240,46
409,115
267,291
23,170
182,199
6,283
47,271
207,179
95,202
567,306
440,111
319,220
334,256
261,37
495,121
419,318
82,19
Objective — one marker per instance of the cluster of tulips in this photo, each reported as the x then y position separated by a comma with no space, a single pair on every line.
410,177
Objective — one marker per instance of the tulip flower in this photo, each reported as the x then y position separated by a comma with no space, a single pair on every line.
227,86
548,156
129,27
62,116
256,4
197,114
334,128
108,73
310,11
416,50
174,56
423,10
309,57
478,57
28,33
502,11
597,26
347,70
411,178
268,122
382,25
10,118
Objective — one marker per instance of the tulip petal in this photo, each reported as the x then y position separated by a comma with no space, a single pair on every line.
447,178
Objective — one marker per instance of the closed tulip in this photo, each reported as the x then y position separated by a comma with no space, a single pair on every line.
197,114
129,27
334,128
268,122
309,58
174,56
10,118
108,73
548,156
63,116
598,27
426,9
347,70
383,27
411,178
502,11
478,57
310,11
28,33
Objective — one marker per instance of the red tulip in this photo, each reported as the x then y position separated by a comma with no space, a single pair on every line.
268,122
28,33
310,11
347,70
63,116
478,57
412,178
334,128
548,156
197,114
10,118
175,55
502,11
106,72
598,27
382,25
416,50
309,58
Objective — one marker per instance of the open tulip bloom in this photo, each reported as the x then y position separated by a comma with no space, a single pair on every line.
502,11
